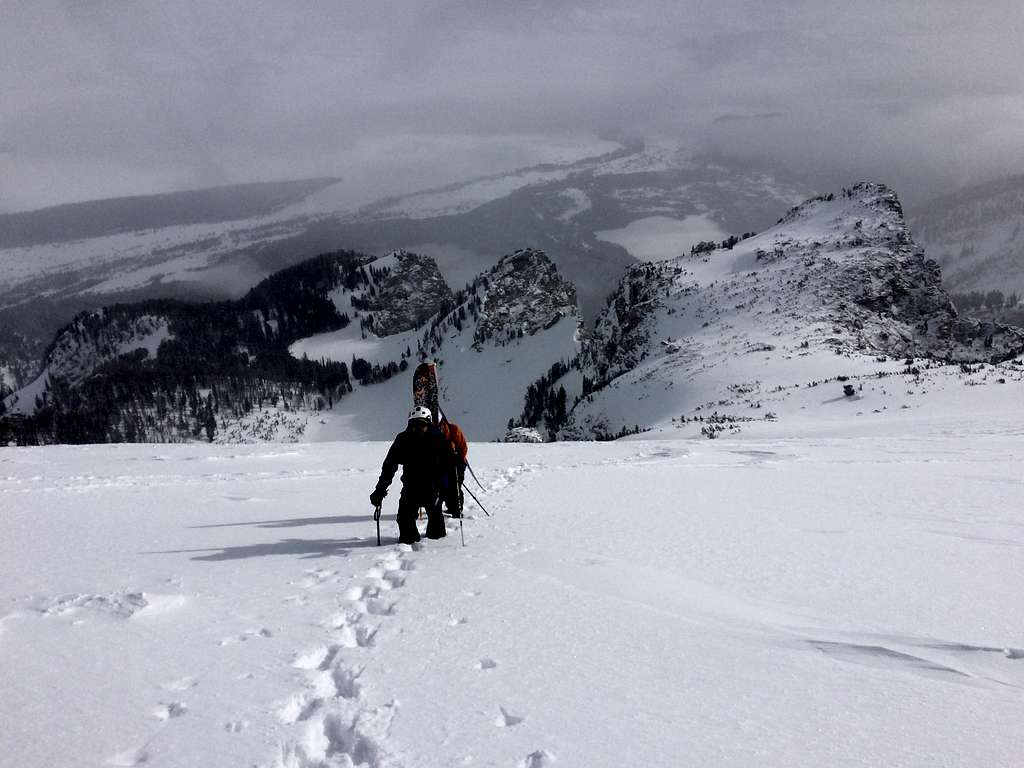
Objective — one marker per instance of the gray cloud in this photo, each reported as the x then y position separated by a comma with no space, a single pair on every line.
119,98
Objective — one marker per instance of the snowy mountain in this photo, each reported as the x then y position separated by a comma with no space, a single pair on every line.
264,366
833,580
836,289
499,337
169,370
977,236
593,216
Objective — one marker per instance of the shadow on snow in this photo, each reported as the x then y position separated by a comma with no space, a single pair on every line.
307,548
294,522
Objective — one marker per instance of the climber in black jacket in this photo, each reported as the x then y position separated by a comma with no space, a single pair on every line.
424,456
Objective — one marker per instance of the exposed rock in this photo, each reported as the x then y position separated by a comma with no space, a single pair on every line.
412,292
524,294
523,435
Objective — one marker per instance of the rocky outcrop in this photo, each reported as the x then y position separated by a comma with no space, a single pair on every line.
412,291
524,294
838,275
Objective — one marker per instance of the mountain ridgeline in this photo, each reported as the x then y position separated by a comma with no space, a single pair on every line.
838,278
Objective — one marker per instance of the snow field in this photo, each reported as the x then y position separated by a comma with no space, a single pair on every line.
823,600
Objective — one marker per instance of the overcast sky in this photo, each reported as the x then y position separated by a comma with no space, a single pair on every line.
112,98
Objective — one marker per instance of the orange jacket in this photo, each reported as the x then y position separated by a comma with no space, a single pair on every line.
455,438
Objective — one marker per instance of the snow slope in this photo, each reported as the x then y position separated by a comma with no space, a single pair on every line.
836,289
839,599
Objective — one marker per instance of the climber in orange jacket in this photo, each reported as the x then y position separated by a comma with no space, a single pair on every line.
451,483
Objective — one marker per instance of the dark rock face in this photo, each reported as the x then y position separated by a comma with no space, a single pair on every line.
524,294
621,337
412,292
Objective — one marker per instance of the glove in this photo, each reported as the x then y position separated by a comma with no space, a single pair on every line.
377,497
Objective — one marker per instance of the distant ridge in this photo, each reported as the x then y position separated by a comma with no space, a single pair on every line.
97,218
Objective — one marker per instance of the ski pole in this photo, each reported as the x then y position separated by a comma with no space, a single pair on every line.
376,517
462,533
472,496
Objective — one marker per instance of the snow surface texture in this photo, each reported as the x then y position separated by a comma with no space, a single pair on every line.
821,600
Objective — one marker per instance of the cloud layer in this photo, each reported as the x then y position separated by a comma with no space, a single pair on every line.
104,98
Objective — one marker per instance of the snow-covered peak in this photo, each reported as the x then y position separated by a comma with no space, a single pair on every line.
838,275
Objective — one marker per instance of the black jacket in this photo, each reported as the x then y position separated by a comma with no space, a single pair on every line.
424,456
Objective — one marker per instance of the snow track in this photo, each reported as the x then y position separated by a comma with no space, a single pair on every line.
337,723
814,601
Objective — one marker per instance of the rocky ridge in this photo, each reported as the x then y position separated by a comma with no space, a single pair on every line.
838,274
524,294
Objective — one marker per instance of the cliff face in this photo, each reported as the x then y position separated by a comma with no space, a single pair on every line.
524,294
411,291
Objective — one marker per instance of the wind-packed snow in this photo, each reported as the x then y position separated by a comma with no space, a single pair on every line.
656,238
846,598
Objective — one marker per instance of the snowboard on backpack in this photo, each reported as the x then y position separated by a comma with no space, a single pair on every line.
424,388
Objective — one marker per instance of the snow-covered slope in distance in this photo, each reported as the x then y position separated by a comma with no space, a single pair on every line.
845,599
837,288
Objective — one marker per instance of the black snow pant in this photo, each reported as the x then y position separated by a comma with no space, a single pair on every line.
408,507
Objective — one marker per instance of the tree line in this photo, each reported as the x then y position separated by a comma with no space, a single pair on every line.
220,358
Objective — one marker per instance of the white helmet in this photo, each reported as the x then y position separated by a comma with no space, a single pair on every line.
421,412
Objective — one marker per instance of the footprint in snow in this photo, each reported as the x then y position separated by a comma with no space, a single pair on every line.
457,621
249,634
132,757
506,719
311,659
236,726
539,759
486,663
170,711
